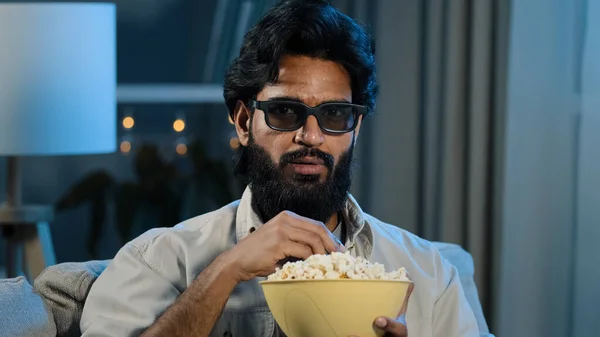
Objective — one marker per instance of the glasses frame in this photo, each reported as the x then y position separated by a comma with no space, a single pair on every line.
360,110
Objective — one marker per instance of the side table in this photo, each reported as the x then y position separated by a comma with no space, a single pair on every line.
26,232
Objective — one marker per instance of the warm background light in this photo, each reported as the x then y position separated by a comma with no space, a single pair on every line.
234,143
128,122
125,146
178,125
181,149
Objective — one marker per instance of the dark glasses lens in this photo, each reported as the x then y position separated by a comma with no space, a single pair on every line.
337,117
290,116
285,116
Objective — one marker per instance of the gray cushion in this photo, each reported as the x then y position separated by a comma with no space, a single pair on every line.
65,287
22,311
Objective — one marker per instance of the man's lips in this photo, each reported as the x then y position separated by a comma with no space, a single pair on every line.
308,166
308,161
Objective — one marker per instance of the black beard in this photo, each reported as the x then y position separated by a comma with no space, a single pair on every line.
304,195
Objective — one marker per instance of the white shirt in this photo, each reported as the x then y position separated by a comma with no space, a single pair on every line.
149,273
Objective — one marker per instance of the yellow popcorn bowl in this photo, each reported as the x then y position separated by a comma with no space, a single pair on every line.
336,308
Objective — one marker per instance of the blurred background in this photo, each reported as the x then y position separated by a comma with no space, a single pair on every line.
485,134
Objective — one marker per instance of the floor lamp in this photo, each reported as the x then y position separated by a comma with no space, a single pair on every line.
57,97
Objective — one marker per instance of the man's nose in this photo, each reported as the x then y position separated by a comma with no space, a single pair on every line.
310,134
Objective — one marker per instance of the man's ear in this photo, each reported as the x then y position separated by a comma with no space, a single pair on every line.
241,120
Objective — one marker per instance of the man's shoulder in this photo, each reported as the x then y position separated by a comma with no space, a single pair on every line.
215,225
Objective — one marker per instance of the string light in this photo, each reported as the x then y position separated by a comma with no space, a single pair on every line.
181,149
125,146
178,125
234,143
128,122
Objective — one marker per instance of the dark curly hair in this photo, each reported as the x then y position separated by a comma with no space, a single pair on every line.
302,27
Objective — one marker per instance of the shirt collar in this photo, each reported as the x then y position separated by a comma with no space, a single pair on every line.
359,231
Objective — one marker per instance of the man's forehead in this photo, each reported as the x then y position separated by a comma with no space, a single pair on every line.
295,68
310,80
304,94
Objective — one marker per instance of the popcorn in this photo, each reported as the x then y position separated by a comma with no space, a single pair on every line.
336,266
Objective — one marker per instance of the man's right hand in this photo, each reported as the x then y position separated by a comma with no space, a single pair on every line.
287,235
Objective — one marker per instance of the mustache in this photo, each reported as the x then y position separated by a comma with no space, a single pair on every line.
295,155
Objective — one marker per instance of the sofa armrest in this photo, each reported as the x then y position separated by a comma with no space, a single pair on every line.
64,288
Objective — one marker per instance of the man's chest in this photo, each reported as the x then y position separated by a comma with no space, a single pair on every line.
246,314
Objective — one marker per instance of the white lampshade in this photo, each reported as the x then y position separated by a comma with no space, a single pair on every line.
57,78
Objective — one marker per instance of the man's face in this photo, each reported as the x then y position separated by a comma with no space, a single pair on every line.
306,171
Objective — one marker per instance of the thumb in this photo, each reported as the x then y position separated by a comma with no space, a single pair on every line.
392,327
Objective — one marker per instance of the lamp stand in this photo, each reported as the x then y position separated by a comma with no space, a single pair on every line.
25,228
13,181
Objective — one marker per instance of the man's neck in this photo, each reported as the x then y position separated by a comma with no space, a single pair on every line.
333,222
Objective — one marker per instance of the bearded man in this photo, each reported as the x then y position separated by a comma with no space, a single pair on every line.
298,93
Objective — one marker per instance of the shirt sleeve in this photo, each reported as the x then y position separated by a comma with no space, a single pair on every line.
126,298
452,314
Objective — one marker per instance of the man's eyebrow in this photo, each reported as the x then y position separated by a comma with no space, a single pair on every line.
296,99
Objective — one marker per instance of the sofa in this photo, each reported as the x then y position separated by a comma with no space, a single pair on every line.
52,306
